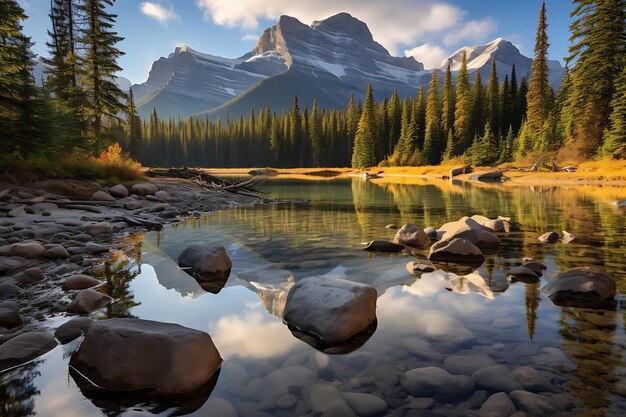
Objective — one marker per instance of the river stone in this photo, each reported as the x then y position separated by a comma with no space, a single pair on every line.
466,364
163,195
29,276
533,380
96,229
431,232
72,329
87,301
498,405
549,237
383,246
144,189
56,252
489,176
24,348
328,401
418,268
134,205
118,191
8,290
455,250
584,283
472,231
287,402
495,225
496,378
364,404
9,315
132,354
93,247
80,282
332,309
207,263
10,264
421,403
533,404
568,237
29,250
17,211
102,196
411,235
436,383
536,267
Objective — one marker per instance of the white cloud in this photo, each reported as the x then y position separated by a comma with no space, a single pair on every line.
393,22
474,30
158,12
429,55
249,37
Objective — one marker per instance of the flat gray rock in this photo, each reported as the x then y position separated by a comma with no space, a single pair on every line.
144,189
25,347
135,355
495,379
365,404
533,404
498,405
332,309
436,383
466,364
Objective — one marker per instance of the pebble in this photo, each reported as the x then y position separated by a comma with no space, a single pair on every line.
286,402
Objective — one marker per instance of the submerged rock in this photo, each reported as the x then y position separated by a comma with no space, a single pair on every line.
582,286
332,309
383,246
498,405
533,404
25,347
496,378
437,383
141,355
411,235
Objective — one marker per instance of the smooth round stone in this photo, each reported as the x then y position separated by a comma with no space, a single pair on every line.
118,191
466,364
29,276
365,404
533,404
436,383
134,205
88,301
496,378
9,315
56,252
327,400
533,380
10,264
80,282
286,402
422,403
8,290
144,189
498,405
93,247
98,228
163,195
30,250
24,348
72,329
102,196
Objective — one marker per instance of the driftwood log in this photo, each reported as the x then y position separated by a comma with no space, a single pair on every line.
209,182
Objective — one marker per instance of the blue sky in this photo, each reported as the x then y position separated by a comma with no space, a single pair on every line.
430,30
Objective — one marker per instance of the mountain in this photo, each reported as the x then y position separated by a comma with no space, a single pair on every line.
40,76
506,55
328,60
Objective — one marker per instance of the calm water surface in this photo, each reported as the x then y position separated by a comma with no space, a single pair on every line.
421,322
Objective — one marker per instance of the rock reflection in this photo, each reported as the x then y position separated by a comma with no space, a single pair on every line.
18,391
339,348
118,403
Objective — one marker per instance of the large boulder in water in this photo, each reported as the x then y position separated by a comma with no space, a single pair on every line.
460,251
25,347
471,230
584,286
332,309
210,266
142,355
411,235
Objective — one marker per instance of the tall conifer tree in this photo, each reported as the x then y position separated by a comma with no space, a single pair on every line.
539,92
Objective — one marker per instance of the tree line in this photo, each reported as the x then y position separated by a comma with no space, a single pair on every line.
81,109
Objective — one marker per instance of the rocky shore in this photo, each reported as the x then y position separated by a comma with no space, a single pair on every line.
55,234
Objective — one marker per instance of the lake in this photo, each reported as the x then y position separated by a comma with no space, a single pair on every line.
441,320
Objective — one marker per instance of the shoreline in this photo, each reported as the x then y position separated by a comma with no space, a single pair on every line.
80,239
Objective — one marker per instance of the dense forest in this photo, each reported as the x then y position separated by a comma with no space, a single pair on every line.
80,109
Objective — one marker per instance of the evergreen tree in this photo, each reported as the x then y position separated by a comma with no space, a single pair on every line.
615,137
433,140
394,113
463,111
295,132
598,51
505,106
317,137
493,98
516,114
104,97
484,150
419,116
539,92
134,134
408,137
449,151
522,104
448,102
363,152
478,106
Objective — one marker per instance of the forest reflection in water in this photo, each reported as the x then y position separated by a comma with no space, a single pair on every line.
421,321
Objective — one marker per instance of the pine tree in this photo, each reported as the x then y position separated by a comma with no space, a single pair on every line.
394,112
433,140
316,135
484,149
615,137
463,111
20,117
419,116
598,51
295,133
493,98
408,137
134,134
539,93
450,151
104,97
478,106
448,102
363,152
516,114
505,105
